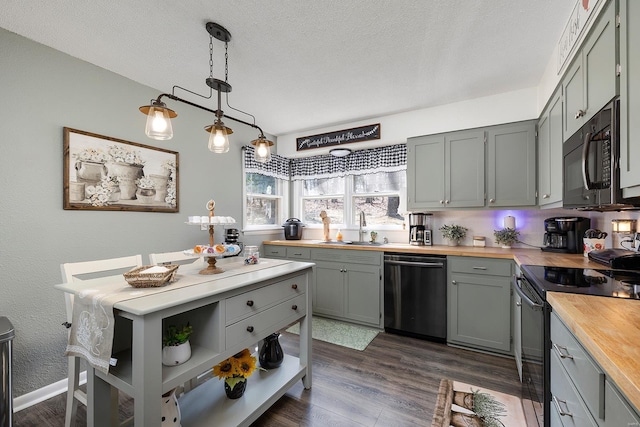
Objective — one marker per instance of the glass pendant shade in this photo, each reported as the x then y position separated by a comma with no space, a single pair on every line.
158,121
262,152
218,137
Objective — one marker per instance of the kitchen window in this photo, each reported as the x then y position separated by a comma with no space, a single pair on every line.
266,191
372,181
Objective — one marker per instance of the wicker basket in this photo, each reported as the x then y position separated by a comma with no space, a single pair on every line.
137,279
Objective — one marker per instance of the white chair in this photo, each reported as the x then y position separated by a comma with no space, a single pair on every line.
70,273
173,258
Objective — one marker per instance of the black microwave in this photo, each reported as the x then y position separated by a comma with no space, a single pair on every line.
590,167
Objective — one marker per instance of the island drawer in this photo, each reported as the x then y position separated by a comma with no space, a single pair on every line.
566,398
583,371
257,300
476,265
254,326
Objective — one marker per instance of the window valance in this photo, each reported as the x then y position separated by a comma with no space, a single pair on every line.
277,167
391,158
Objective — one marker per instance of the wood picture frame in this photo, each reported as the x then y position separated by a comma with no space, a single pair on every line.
105,173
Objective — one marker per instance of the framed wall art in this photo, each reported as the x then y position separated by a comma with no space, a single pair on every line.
104,173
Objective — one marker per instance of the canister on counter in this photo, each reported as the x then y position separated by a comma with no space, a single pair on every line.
479,241
251,255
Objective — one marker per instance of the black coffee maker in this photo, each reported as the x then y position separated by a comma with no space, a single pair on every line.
564,234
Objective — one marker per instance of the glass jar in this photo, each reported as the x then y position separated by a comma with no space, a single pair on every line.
251,255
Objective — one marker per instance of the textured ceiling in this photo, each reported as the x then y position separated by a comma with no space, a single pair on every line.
297,65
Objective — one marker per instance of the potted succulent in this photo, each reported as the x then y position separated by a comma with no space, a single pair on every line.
453,233
175,344
506,237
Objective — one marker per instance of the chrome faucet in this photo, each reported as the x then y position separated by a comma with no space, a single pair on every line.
363,223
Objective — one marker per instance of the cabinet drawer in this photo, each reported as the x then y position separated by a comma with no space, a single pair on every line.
248,303
275,251
348,256
566,398
300,253
474,265
585,374
254,326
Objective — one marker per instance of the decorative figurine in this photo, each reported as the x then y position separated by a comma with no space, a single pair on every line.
325,223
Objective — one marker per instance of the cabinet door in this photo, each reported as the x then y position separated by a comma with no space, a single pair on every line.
464,169
617,412
480,311
425,172
328,293
511,165
573,90
630,96
550,152
599,62
362,293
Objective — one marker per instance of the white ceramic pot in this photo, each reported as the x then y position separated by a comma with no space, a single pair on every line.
173,355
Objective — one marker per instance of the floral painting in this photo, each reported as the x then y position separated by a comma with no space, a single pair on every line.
104,173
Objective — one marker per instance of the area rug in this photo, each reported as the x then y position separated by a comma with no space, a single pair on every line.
339,333
465,405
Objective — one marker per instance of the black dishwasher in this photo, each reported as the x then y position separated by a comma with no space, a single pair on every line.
415,295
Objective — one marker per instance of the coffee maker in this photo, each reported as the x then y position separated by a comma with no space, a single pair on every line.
420,229
564,234
231,238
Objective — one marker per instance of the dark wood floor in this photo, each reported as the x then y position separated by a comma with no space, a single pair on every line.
394,382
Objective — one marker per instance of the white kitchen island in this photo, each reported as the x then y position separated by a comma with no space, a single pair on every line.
229,312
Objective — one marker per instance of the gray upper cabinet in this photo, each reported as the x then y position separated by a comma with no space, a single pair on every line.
591,80
511,165
446,170
630,97
550,152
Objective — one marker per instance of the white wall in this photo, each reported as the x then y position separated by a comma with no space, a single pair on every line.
395,129
44,90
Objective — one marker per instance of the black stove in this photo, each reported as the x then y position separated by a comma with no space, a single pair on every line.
587,281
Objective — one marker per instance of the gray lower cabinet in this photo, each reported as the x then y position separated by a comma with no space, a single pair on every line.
591,79
582,395
348,283
479,303
550,152
629,97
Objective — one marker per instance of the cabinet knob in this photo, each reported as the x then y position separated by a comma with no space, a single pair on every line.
249,328
545,196
518,304
446,202
250,303
580,113
294,307
294,286
453,282
442,202
492,200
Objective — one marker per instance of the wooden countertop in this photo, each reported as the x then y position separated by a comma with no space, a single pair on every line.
609,328
521,256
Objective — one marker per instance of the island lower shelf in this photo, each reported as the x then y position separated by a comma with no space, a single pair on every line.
208,405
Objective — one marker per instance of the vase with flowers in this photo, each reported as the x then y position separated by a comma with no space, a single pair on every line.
235,370
146,190
127,165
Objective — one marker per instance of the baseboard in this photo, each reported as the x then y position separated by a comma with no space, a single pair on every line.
44,393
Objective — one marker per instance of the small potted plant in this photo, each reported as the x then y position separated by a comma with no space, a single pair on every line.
453,233
506,237
175,344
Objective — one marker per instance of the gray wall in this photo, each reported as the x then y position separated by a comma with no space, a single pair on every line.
41,91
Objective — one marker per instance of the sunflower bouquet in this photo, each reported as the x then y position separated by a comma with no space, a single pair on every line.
236,369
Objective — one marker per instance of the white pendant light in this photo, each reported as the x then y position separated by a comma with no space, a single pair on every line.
262,152
158,120
218,137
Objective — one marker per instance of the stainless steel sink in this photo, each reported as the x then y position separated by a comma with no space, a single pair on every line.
352,243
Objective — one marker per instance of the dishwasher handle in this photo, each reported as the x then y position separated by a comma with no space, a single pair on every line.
415,264
525,298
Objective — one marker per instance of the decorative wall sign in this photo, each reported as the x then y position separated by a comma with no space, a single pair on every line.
104,173
347,136
577,21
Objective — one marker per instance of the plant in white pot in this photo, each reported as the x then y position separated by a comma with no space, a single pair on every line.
506,237
453,233
176,348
